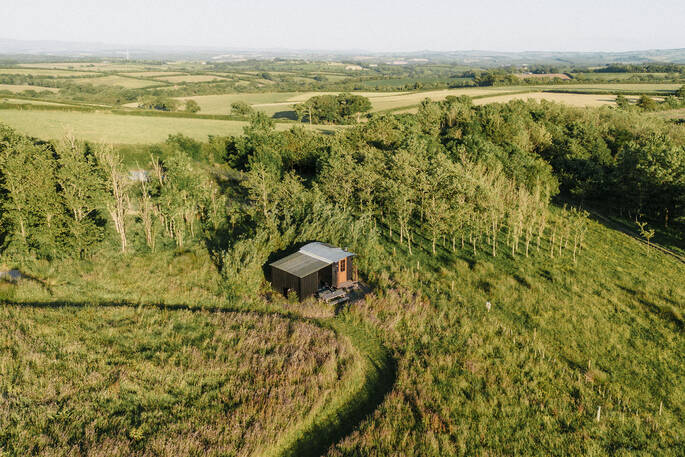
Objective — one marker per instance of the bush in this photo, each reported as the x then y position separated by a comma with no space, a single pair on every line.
192,106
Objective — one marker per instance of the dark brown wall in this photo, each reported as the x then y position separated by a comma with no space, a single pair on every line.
309,285
281,280
326,275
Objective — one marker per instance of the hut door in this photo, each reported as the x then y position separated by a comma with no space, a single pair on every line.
342,272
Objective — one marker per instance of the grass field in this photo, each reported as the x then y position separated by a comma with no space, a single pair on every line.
114,128
263,101
618,87
43,72
16,88
99,380
392,102
568,99
152,74
115,80
190,78
579,100
489,95
94,66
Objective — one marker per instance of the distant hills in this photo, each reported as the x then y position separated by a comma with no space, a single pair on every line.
25,50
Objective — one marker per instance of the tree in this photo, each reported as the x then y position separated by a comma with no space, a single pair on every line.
181,198
117,186
352,105
158,103
401,190
647,103
242,109
338,178
32,209
622,101
436,206
646,233
333,109
82,190
191,106
680,93
262,185
146,209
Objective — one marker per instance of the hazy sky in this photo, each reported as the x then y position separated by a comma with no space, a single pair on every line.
375,25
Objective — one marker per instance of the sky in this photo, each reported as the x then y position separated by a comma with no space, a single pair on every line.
372,25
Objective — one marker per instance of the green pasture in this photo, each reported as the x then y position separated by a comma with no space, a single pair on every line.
115,128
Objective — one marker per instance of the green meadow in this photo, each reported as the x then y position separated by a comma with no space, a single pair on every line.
122,129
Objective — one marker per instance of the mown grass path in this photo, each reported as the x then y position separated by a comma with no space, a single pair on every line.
362,387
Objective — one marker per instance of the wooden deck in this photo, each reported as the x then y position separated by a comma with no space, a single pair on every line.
331,295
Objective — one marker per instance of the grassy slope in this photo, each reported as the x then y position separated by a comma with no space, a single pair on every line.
528,377
270,102
138,285
525,378
144,381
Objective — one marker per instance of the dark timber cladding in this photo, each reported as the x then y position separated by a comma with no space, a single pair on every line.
316,265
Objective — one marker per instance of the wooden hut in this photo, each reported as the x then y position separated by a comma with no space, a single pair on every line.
314,266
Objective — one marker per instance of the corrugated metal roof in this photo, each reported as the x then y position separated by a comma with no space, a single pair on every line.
300,264
325,252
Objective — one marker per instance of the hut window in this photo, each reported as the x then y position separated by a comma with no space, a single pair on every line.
342,265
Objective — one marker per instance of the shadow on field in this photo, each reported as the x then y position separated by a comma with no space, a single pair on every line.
292,115
331,423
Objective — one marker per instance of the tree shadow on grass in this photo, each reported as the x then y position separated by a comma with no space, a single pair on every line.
665,311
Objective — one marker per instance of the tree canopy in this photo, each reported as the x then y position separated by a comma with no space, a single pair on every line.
329,109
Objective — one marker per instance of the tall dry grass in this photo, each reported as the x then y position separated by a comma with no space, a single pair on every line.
99,381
